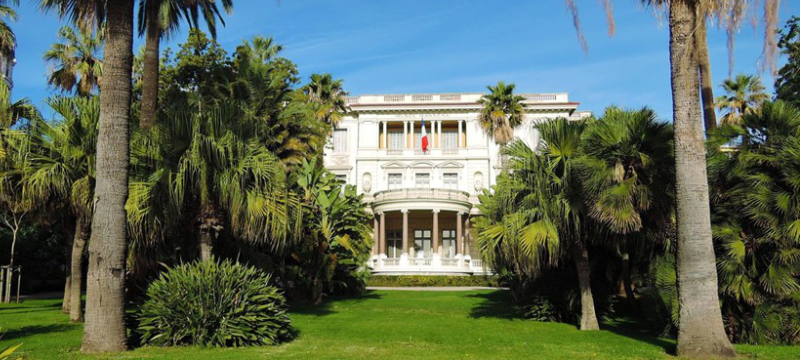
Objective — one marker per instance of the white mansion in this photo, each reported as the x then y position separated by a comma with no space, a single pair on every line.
422,201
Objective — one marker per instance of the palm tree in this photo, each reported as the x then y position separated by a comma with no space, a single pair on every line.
77,63
210,169
11,113
743,94
8,41
328,98
701,336
539,214
756,214
502,112
104,330
61,168
629,177
159,19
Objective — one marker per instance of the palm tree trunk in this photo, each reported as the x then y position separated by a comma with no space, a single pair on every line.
69,230
588,316
701,333
704,68
105,290
10,272
78,245
150,71
210,222
627,283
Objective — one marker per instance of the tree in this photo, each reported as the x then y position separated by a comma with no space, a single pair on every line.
159,19
327,97
539,215
61,169
502,112
105,294
77,61
701,332
756,212
8,41
744,94
787,82
210,169
629,178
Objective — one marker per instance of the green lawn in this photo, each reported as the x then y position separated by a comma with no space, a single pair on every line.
381,325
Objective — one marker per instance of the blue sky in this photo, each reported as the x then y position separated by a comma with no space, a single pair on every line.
403,46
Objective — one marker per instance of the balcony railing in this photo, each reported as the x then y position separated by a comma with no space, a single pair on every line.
391,262
449,262
419,152
420,261
421,193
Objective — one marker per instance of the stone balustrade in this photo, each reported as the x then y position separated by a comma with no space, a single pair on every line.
421,193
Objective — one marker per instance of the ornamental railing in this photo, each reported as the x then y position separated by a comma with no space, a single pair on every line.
421,193
449,262
391,262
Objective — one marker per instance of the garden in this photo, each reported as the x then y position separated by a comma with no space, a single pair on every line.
176,204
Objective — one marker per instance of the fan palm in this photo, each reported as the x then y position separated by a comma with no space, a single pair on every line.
744,94
629,172
327,97
210,169
502,112
104,330
539,215
757,213
11,113
77,62
8,41
159,19
61,168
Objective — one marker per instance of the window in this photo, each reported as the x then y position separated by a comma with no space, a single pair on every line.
449,244
340,140
422,243
396,140
422,180
449,139
451,181
395,181
341,177
394,243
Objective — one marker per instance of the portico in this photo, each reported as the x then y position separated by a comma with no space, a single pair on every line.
423,231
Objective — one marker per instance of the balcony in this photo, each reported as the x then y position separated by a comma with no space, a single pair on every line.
430,152
421,193
427,265
452,98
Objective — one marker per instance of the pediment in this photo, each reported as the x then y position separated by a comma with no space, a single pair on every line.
422,164
450,165
394,165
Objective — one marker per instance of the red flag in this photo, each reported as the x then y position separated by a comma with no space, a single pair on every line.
424,137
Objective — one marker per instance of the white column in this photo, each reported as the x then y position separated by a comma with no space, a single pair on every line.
411,134
440,133
404,255
385,136
459,241
459,133
437,259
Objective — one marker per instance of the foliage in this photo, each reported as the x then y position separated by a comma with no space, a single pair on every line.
757,224
742,96
502,111
326,97
77,60
787,81
432,281
214,303
335,242
8,41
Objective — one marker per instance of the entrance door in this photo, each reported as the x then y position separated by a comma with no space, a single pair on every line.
422,243
448,244
394,243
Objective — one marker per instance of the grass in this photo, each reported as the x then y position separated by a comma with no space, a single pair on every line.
381,325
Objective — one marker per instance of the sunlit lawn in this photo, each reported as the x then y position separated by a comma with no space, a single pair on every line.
381,325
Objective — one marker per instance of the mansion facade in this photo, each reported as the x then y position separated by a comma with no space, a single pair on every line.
422,200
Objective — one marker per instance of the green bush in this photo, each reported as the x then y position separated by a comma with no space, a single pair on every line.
213,304
431,280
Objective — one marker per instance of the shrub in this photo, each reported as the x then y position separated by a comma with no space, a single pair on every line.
213,303
432,280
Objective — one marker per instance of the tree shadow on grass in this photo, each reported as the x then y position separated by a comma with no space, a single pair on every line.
32,330
636,330
495,304
326,307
